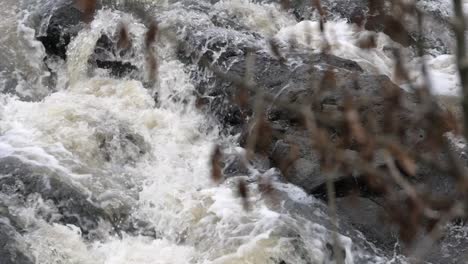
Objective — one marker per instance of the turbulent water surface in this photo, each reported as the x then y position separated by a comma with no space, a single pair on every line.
148,160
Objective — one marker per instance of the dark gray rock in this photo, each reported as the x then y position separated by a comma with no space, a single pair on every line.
452,247
290,82
295,82
62,21
216,44
305,171
370,219
12,249
20,179
10,253
234,165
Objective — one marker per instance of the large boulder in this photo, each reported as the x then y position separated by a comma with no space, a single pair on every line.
71,203
20,179
293,80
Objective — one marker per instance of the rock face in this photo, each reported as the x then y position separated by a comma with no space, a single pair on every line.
69,203
20,179
21,182
293,79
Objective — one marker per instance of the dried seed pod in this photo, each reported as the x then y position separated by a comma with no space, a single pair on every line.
152,67
375,6
241,97
328,81
275,49
285,4
264,135
353,122
450,122
265,185
123,41
289,159
396,31
318,5
151,34
243,192
322,25
88,8
201,102
392,109
403,160
216,171
151,55
367,41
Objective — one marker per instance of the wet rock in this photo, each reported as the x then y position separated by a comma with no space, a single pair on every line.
216,44
271,76
12,250
120,145
452,248
10,253
370,219
305,170
294,82
62,22
235,165
20,179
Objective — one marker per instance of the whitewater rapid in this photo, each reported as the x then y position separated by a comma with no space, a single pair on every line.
168,185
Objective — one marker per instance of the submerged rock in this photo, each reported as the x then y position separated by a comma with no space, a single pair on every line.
20,179
9,251
120,145
12,249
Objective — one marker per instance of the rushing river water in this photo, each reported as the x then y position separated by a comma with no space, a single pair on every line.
163,179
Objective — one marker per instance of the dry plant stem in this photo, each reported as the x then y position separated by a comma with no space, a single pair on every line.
459,27
333,215
436,233
258,107
248,80
426,243
407,187
311,126
252,139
